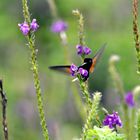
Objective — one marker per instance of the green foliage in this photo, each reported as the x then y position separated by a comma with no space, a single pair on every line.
104,133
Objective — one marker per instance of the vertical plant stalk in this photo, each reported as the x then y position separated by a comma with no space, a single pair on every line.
34,68
81,27
119,86
92,114
83,85
136,32
138,126
4,104
38,89
86,94
78,102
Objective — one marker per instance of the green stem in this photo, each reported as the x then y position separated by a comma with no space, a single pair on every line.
81,29
84,88
89,102
136,32
34,67
26,13
78,101
81,26
93,113
38,89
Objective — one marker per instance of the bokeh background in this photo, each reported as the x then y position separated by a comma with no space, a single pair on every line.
106,21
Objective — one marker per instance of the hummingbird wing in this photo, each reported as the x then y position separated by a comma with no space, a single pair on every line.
63,68
96,57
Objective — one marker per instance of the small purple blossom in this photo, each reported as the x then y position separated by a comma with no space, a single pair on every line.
34,26
112,120
83,50
73,69
86,50
59,26
79,49
129,99
83,72
24,27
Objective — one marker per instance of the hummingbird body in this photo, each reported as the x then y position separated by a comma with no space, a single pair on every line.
88,65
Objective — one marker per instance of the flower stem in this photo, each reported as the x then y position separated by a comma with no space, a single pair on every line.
92,114
84,88
136,32
34,67
89,102
78,102
81,26
26,13
38,89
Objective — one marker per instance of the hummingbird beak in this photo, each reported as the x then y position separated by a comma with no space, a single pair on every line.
84,63
75,79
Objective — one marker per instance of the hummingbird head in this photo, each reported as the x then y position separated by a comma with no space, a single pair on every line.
88,60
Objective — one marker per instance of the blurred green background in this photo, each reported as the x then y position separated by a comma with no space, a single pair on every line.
106,21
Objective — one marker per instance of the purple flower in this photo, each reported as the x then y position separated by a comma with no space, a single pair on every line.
83,72
112,120
79,49
59,26
129,99
34,26
24,27
86,50
73,69
83,50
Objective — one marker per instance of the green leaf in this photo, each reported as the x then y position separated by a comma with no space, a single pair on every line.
104,133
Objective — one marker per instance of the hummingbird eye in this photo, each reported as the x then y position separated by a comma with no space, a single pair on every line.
88,60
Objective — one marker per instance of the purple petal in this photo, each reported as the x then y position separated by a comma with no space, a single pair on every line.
24,27
129,99
83,72
73,69
112,120
59,26
79,49
86,50
34,26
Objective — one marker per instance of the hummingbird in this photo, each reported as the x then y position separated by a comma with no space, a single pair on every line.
87,67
